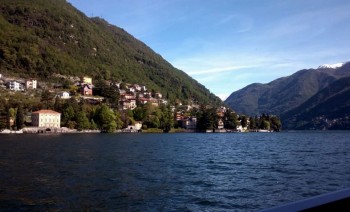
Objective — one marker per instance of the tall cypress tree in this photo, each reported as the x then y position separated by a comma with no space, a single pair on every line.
20,117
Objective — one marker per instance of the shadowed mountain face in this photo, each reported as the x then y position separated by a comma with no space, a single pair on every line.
290,96
327,109
42,37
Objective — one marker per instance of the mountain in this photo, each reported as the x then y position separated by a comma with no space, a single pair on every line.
328,109
289,97
41,37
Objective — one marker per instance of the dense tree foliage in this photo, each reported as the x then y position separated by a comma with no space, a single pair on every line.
207,119
19,117
230,119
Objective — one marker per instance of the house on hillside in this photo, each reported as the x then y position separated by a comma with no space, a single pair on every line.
154,102
46,118
137,87
86,80
144,100
63,95
31,84
15,86
158,95
127,96
129,104
86,89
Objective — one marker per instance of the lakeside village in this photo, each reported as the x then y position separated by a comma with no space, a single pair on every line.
77,105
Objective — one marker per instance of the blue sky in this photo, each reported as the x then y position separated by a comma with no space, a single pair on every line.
229,44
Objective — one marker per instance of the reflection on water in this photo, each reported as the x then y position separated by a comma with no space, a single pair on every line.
244,171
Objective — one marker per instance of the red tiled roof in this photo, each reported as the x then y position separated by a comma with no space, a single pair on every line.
47,111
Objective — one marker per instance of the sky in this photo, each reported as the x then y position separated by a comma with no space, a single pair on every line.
228,44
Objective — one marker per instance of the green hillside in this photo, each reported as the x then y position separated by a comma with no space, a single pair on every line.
42,37
328,109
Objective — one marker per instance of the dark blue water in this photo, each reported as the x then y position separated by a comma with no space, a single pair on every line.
170,172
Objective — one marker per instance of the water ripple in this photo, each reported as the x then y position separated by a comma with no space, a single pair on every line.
170,172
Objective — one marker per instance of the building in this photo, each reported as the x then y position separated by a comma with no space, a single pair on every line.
136,127
158,95
63,95
189,123
137,87
46,118
15,86
86,89
220,124
31,84
127,96
86,80
129,104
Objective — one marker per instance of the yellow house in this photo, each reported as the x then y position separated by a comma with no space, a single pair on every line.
87,80
46,118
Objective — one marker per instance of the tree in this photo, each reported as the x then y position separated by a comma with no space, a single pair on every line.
93,125
275,124
265,125
244,121
68,114
20,118
57,105
11,116
230,119
252,124
139,113
105,118
82,122
166,120
118,120
207,119
46,98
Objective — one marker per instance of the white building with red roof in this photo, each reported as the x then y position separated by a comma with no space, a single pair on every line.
46,118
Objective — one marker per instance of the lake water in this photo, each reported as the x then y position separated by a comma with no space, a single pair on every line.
170,172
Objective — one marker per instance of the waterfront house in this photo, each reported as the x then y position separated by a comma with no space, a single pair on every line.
220,124
189,123
46,118
136,127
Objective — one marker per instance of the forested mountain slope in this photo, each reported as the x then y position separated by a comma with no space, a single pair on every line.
328,109
42,37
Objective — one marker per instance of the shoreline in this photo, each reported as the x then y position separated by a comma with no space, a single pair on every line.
64,130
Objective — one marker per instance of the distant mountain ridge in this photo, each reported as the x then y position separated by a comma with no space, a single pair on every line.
328,109
293,97
42,37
